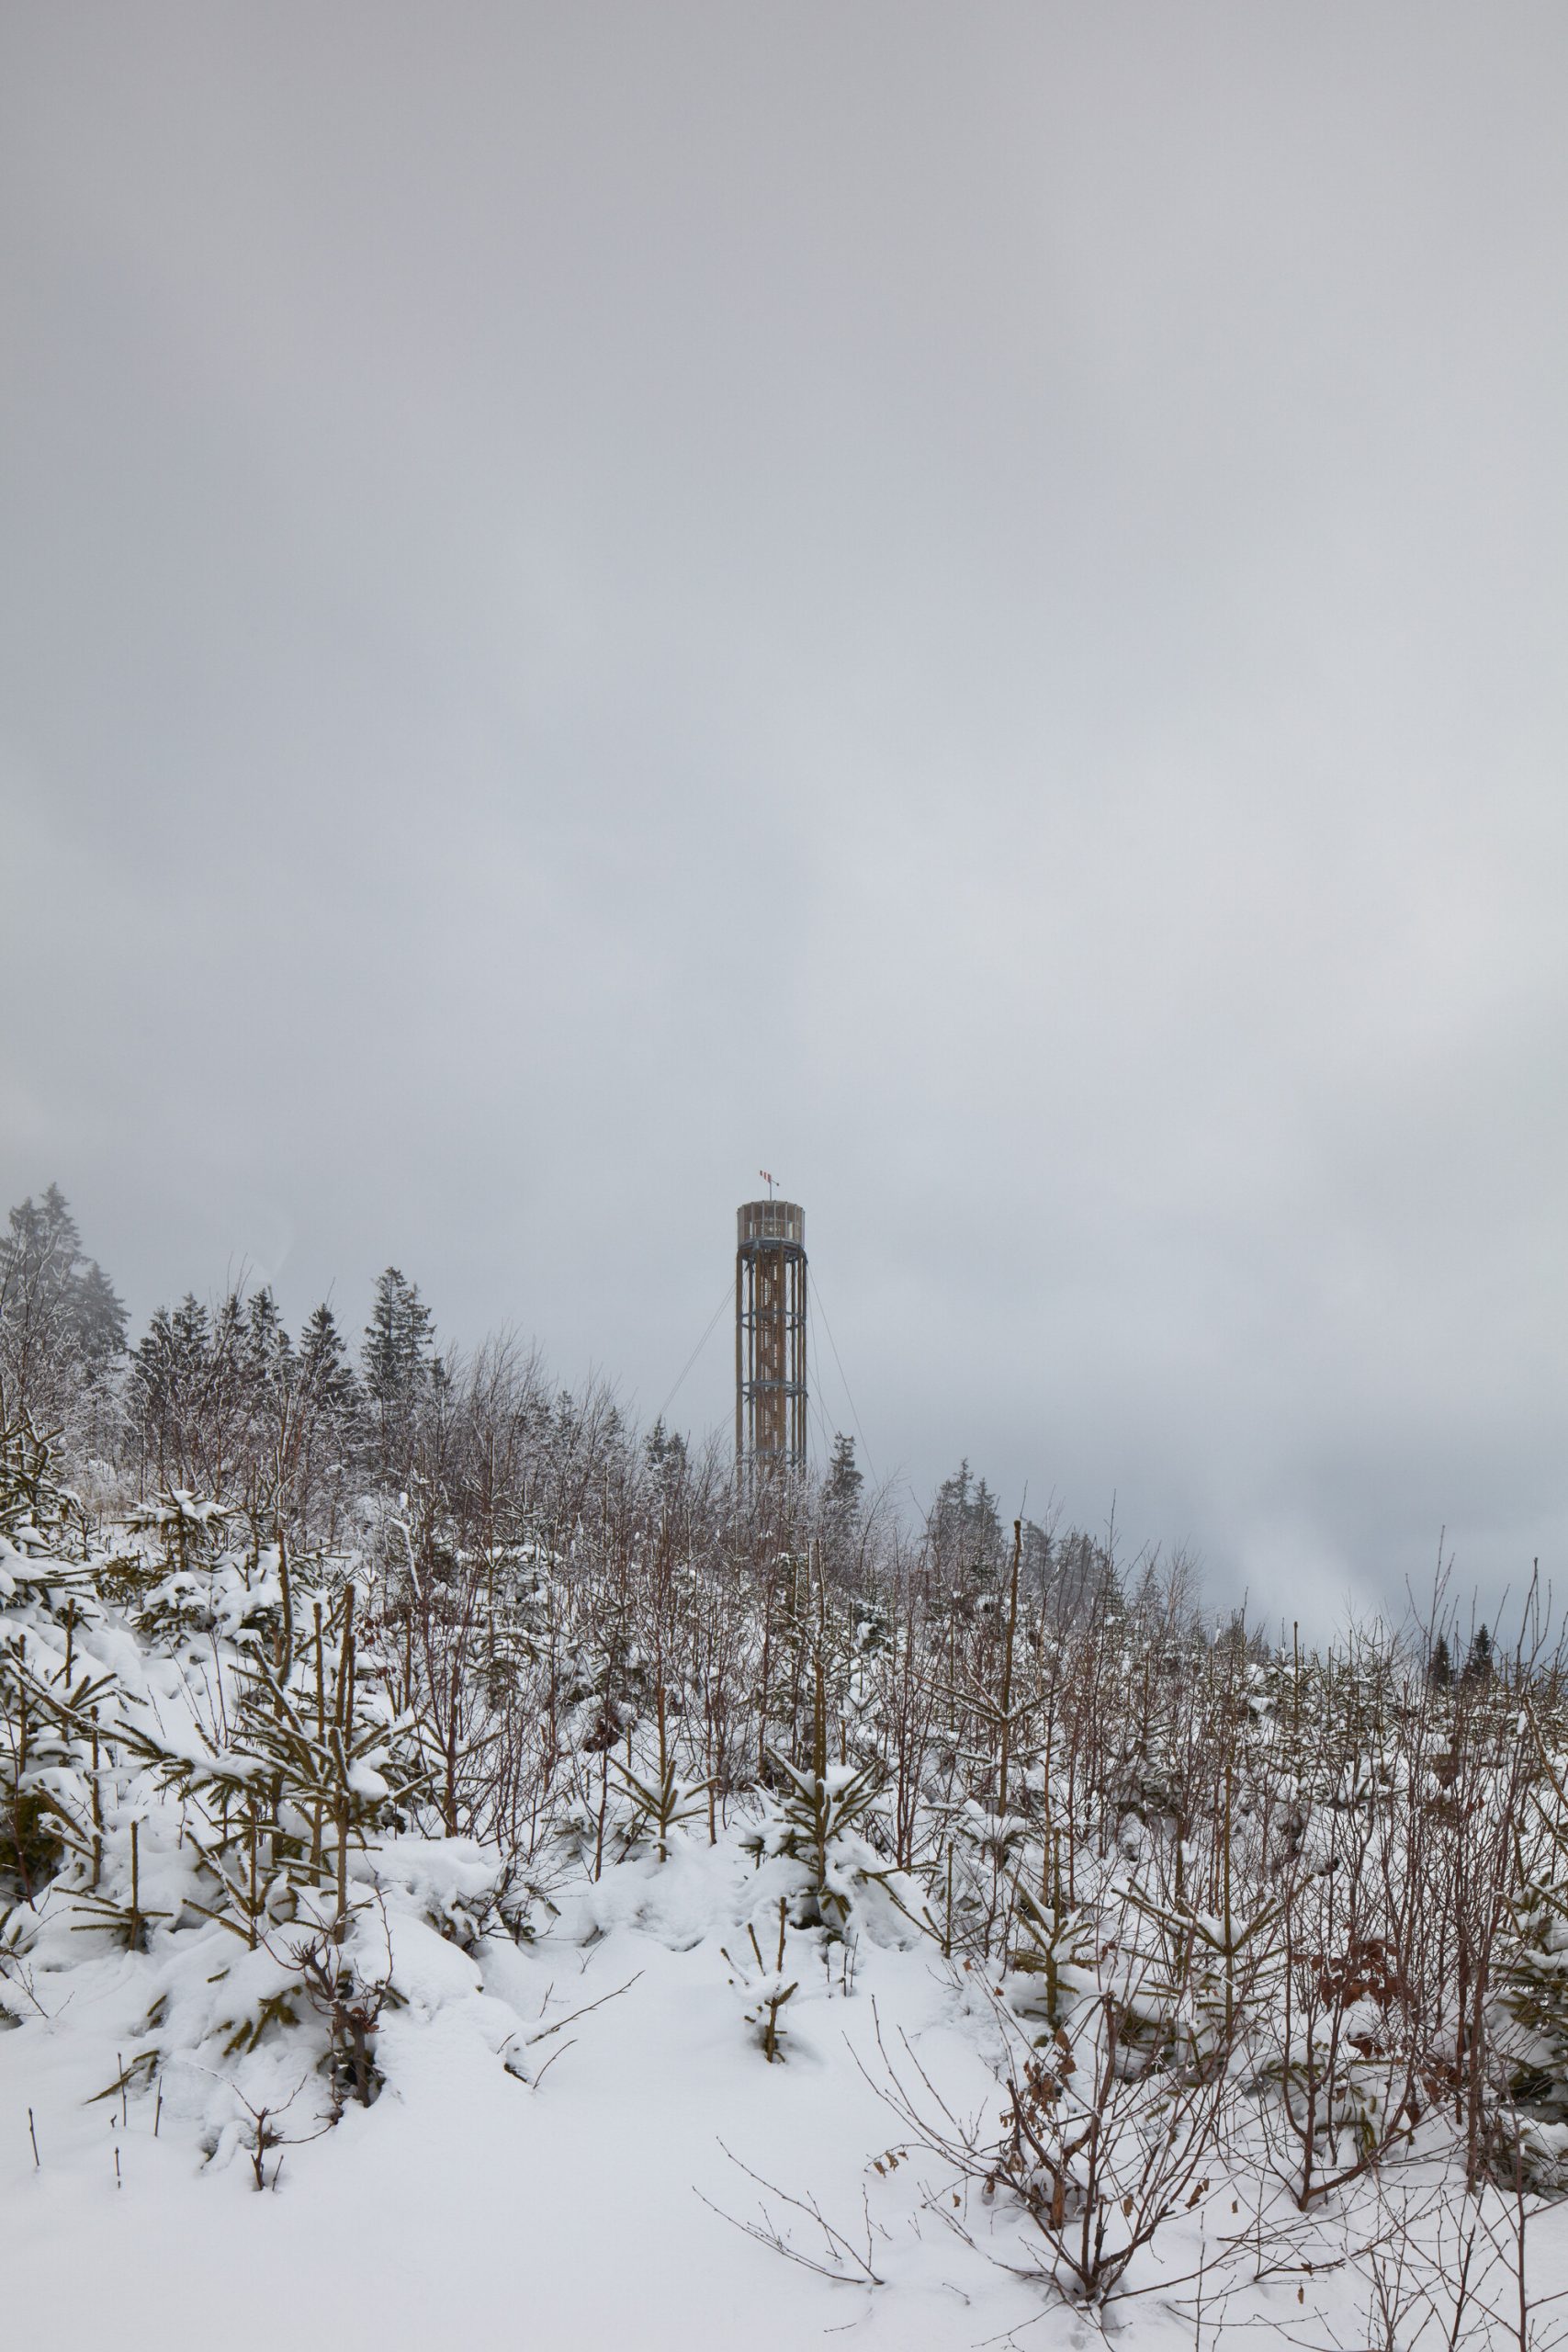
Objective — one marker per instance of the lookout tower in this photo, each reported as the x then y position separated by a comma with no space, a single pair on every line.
770,1337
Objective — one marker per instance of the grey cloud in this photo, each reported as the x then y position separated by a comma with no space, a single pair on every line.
966,604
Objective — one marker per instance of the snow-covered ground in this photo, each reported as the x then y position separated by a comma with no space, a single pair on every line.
569,2199
282,2063
468,2204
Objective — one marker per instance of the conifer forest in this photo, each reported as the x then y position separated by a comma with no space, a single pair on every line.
941,1929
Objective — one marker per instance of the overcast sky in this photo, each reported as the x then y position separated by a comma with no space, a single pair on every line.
964,603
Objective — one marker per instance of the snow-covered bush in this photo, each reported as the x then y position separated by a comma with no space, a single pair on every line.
816,1821
765,1990
1053,1955
1533,1989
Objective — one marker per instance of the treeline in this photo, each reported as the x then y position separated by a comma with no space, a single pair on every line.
221,1399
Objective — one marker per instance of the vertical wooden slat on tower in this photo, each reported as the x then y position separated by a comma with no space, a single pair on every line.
769,1338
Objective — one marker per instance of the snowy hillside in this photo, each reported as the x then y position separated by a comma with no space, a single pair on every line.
630,1941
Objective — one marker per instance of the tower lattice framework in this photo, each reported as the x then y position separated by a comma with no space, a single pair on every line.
770,1337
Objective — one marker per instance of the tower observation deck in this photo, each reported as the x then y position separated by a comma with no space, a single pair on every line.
770,1337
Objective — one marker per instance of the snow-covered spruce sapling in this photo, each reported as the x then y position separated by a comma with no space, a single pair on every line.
173,1598
1536,2001
32,1848
660,1806
337,1970
1534,1985
985,1697
51,1805
1053,1952
306,1762
315,1761
1216,1969
816,1819
37,1509
121,1914
983,1850
767,1993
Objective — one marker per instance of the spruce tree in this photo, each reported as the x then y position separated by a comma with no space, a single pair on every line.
324,1374
399,1351
100,1322
268,1350
152,1376
325,1420
965,1525
191,1336
170,1376
62,1327
401,1368
1533,1979
1480,1666
666,1452
841,1493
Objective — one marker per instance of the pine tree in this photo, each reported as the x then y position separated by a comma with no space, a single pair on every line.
152,1374
324,1374
840,1492
1441,1666
171,1375
191,1335
61,1324
100,1322
1533,1977
666,1452
268,1350
401,1370
399,1353
964,1527
327,1422
1480,1666
1037,1556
